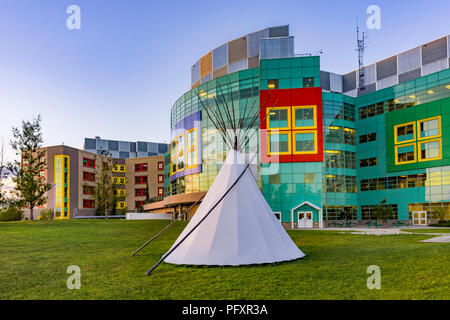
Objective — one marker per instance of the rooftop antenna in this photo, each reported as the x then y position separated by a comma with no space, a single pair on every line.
360,48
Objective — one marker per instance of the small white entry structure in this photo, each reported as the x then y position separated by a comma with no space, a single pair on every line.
305,218
241,229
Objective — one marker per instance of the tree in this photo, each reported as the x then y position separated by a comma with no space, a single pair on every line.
2,176
383,211
104,190
439,213
30,189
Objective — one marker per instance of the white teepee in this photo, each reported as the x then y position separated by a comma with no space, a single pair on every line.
240,230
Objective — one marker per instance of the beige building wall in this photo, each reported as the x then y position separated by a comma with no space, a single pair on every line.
152,174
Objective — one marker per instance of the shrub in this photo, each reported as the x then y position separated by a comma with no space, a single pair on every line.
47,214
11,214
444,223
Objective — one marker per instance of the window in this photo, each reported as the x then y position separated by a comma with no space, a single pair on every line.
304,117
41,173
161,165
118,168
88,190
140,167
120,192
340,159
368,137
88,176
278,118
368,162
340,183
305,142
160,178
429,128
87,203
191,138
160,191
430,150
405,132
138,204
405,153
308,82
191,159
140,179
140,192
120,205
90,163
349,136
279,143
272,84
428,141
275,178
310,178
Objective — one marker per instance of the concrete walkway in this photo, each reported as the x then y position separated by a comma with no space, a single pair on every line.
442,237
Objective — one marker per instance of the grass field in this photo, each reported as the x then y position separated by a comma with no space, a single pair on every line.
34,257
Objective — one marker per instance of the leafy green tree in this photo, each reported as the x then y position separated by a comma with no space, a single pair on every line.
383,212
104,190
439,213
30,189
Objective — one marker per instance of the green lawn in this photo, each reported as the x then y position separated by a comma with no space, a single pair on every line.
34,257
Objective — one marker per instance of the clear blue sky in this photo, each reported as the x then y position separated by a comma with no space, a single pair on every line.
119,75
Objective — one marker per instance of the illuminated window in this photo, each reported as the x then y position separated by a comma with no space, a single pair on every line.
405,132
160,165
279,118
430,150
191,138
160,178
279,143
180,162
305,142
191,159
305,117
429,128
405,153
272,84
308,82
160,191
310,178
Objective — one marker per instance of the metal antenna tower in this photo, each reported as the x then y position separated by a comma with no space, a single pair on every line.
360,48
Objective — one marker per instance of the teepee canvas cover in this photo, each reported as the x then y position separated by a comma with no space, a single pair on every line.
240,230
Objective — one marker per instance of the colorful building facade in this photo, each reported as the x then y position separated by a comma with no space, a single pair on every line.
329,147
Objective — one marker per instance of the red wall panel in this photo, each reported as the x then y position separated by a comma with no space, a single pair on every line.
289,98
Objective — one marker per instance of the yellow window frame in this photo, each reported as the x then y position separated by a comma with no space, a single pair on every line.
191,147
405,145
428,141
269,110
184,160
305,131
278,132
403,125
120,204
294,108
177,143
195,159
419,122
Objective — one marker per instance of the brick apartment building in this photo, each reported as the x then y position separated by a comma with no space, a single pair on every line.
72,172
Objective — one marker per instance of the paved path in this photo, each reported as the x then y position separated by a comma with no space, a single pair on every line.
442,237
445,238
